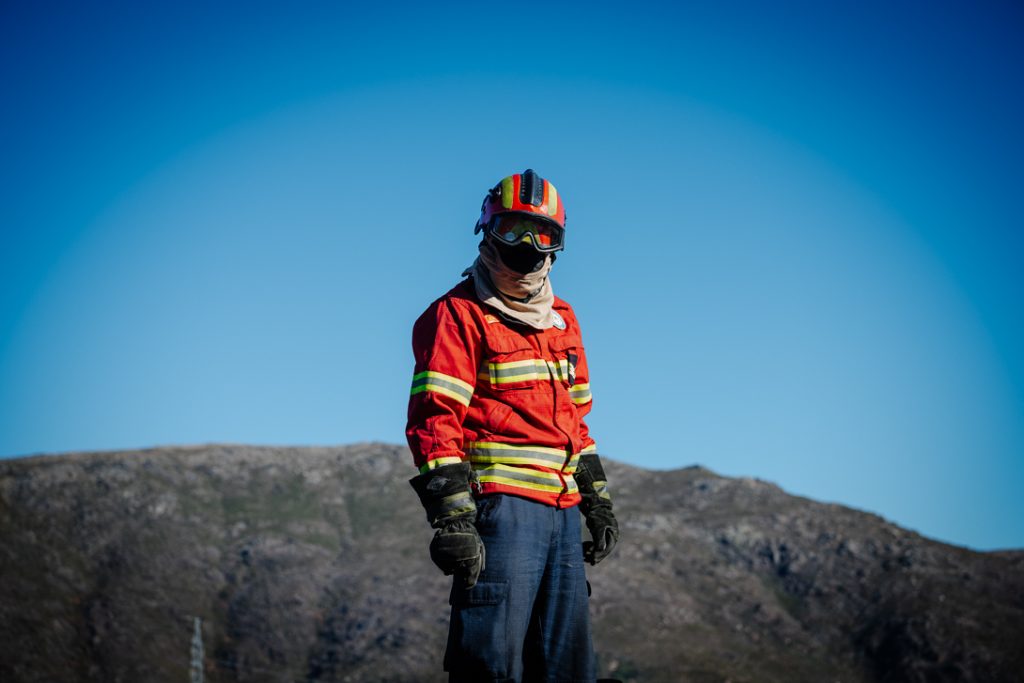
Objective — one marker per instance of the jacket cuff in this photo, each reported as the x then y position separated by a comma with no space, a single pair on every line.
592,483
445,494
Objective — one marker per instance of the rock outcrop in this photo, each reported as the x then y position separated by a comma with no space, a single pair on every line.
310,564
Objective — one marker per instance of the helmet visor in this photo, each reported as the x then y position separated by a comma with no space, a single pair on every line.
514,228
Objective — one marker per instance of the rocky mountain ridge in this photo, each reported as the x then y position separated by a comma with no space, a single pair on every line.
310,564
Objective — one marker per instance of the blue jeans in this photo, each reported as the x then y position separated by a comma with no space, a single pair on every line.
527,619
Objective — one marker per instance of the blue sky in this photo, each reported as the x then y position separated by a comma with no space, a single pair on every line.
794,236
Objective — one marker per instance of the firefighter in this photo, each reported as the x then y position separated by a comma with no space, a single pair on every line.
507,464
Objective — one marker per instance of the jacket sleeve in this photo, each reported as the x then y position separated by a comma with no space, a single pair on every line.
580,391
584,400
447,350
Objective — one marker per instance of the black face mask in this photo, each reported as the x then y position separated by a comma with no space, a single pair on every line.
522,258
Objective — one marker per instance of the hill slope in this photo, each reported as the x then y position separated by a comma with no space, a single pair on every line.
310,564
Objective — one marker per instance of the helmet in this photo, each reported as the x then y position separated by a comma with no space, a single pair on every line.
524,208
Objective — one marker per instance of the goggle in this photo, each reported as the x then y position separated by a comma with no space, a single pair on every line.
513,228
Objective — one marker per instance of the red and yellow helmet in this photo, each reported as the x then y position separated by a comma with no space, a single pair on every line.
524,208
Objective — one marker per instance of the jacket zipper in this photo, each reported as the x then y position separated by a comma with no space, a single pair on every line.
554,421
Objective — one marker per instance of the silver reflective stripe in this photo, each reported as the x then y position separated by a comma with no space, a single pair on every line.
580,393
456,504
519,475
499,370
426,381
515,456
573,463
423,381
563,370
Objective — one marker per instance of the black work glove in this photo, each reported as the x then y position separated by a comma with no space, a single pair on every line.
596,506
604,529
456,547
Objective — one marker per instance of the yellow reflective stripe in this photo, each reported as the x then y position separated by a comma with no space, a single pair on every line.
446,378
589,449
439,462
529,362
535,376
507,192
528,479
491,453
560,369
486,452
515,366
552,207
434,388
573,464
460,503
489,479
532,369
440,383
526,370
580,393
493,445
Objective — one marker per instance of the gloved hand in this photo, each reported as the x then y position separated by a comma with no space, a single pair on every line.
596,506
456,547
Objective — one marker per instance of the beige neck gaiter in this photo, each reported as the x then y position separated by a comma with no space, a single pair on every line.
524,297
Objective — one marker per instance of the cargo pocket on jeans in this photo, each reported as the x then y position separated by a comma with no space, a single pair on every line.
483,593
476,640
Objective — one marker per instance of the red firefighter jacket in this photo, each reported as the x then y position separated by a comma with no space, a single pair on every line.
506,397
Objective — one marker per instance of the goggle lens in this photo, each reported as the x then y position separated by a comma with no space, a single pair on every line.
514,228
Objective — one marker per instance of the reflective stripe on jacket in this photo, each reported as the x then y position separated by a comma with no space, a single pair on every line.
506,397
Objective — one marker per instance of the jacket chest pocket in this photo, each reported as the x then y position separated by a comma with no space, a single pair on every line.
566,350
511,362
